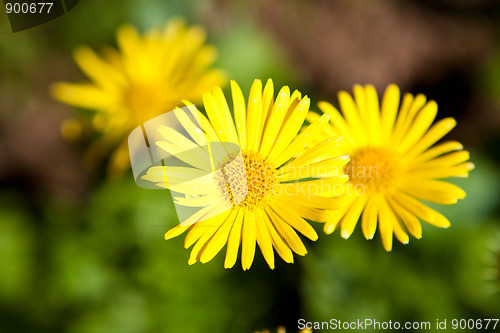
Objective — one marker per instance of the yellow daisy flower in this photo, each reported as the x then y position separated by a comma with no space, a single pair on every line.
393,163
285,184
150,74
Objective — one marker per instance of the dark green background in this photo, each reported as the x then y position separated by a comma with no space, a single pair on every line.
80,253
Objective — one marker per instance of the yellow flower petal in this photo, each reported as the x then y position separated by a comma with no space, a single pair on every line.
278,243
254,116
369,217
84,96
373,115
390,104
424,212
201,226
294,220
326,149
352,116
410,221
240,113
338,123
234,240
290,129
437,131
435,191
106,76
307,138
386,221
249,237
218,240
461,170
276,117
351,218
419,126
218,112
264,238
287,233
407,116
176,231
267,101
210,230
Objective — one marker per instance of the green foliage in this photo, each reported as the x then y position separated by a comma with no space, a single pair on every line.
102,265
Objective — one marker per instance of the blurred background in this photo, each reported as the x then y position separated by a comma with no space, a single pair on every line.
81,253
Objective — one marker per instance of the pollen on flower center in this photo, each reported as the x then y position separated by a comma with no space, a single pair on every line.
251,187
376,169
257,190
261,178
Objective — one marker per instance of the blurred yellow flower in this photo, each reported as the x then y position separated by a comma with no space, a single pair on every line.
393,163
150,74
285,184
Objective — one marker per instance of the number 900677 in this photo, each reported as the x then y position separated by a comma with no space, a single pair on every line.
28,7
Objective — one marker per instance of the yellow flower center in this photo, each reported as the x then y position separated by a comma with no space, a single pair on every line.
260,180
374,169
